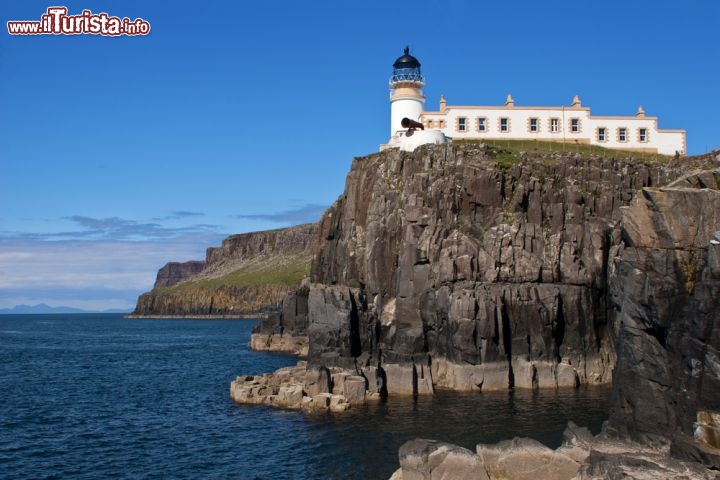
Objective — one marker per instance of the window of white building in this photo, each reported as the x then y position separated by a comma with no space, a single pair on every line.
481,124
504,124
461,124
533,125
622,134
554,125
642,135
601,134
575,125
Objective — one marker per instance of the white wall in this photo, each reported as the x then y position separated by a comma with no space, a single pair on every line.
402,107
663,141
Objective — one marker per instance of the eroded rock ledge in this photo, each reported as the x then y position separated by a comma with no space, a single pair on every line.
580,457
297,388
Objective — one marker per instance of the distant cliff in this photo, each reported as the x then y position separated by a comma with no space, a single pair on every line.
471,267
248,274
174,272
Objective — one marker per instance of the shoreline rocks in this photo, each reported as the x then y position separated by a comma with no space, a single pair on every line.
581,456
201,317
278,343
298,388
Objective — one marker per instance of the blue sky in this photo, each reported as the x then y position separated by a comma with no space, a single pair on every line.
118,155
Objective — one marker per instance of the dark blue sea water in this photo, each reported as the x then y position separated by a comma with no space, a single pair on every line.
99,396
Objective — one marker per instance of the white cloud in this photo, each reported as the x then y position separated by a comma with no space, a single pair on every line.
79,273
308,213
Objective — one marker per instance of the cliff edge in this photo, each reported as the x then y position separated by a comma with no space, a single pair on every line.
249,274
470,267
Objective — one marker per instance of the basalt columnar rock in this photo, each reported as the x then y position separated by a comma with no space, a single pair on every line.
471,267
249,274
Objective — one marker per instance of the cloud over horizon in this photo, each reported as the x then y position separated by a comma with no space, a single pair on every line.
308,213
89,273
105,263
101,263
119,228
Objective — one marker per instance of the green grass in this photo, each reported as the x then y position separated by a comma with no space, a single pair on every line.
508,150
507,158
276,270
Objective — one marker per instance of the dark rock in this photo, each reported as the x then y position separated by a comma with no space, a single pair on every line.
174,272
497,276
665,288
640,465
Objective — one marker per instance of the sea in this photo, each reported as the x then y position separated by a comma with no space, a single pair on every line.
87,396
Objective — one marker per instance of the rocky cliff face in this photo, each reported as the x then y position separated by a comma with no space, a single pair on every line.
665,289
175,272
469,267
246,249
248,274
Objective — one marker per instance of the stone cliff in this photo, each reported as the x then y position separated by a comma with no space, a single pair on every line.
175,272
664,290
470,267
248,274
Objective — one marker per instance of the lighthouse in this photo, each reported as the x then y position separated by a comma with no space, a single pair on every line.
406,97
406,103
412,126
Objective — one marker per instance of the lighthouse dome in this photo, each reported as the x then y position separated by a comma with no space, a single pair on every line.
406,69
407,60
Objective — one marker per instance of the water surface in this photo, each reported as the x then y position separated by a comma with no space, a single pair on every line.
99,396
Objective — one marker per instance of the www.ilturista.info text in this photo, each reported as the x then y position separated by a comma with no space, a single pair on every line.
57,22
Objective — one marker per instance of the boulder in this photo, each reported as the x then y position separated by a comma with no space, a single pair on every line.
317,380
432,460
354,390
291,395
526,459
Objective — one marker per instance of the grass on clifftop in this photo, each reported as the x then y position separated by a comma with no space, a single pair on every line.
276,270
508,150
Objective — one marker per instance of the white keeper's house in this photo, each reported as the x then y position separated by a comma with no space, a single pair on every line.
571,124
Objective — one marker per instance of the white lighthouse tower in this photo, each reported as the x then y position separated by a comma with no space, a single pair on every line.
406,97
406,107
